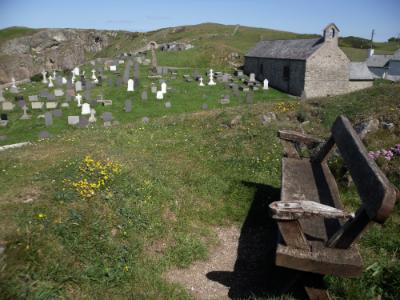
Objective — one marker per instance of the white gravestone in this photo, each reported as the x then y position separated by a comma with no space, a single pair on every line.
201,81
51,84
94,74
58,92
265,87
64,80
7,106
37,105
252,77
76,71
51,105
160,95
211,82
78,99
13,85
131,85
85,109
73,77
78,86
44,77
164,88
73,120
113,68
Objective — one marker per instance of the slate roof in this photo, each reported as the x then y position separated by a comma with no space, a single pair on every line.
378,61
286,49
360,71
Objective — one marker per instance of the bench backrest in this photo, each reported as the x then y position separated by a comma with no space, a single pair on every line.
377,194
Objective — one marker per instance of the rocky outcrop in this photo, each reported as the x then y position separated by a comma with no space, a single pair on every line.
52,49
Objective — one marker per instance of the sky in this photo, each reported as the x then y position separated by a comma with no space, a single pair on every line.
353,17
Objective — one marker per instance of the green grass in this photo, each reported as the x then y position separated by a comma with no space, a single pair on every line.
185,98
15,32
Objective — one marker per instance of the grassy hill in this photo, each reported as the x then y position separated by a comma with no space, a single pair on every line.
15,32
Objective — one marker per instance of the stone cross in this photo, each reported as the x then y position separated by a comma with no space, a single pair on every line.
73,77
94,74
201,81
79,99
44,77
211,82
51,82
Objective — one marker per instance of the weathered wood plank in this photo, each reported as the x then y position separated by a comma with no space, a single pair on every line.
321,260
289,150
292,234
324,152
376,192
294,136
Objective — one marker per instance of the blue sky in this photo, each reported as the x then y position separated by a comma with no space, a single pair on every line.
353,17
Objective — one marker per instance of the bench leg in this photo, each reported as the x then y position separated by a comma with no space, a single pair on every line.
315,288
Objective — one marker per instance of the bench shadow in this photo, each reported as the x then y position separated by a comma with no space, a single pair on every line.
255,273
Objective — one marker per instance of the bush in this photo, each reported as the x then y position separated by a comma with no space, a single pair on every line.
37,78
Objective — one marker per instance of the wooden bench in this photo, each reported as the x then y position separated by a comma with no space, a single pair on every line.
316,235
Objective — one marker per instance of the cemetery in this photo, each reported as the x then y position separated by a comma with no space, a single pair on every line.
159,172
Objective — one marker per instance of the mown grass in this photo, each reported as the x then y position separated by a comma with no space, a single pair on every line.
182,174
184,97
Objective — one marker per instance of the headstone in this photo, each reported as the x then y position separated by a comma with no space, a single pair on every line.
131,87
113,68
105,102
160,95
33,98
211,75
225,78
44,93
7,106
110,82
168,104
163,87
43,135
127,70
265,87
25,115
78,99
13,88
64,80
85,109
37,105
51,105
153,88
99,81
65,105
88,95
57,113
44,80
48,118
224,101
107,116
88,85
145,120
51,84
78,86
83,121
75,71
252,77
128,106
92,118
94,74
144,96
201,81
136,74
58,93
21,103
73,120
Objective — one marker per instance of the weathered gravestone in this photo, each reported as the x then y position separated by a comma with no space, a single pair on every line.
21,103
168,104
128,106
37,105
7,106
43,135
73,120
78,86
204,106
51,105
57,113
33,98
58,92
48,118
144,96
85,109
25,115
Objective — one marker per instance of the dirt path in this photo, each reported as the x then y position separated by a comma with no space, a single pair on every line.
222,258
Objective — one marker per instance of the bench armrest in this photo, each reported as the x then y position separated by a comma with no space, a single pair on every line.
294,136
293,210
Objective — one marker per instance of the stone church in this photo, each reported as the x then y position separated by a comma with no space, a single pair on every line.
307,67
